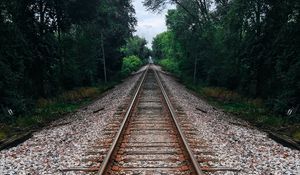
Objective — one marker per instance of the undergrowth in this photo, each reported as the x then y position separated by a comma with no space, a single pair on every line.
47,110
169,65
251,110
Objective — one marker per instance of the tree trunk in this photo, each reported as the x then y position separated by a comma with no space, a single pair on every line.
58,11
257,17
195,71
103,57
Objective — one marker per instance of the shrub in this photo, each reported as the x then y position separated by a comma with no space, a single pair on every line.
169,65
130,64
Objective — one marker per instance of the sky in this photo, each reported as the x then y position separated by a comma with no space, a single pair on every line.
149,23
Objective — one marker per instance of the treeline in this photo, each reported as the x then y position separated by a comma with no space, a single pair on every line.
50,46
136,54
249,46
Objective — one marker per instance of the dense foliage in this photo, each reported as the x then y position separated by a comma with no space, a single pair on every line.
169,65
249,46
49,46
131,64
136,54
137,46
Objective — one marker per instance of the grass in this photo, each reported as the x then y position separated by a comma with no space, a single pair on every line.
296,135
2,135
251,110
4,132
48,110
46,114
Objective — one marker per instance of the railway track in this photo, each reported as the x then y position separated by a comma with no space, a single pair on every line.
149,140
151,136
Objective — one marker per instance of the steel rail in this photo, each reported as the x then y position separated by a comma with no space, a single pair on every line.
122,127
109,156
194,162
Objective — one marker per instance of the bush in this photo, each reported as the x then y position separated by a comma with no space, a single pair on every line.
130,64
169,65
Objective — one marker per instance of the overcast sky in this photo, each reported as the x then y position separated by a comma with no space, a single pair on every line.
149,23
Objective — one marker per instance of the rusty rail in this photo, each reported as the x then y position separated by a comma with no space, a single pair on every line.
182,136
113,149
150,112
108,157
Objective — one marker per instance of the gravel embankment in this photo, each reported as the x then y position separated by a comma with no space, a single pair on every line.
235,145
62,146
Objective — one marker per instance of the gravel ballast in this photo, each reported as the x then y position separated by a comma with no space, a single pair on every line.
64,144
235,143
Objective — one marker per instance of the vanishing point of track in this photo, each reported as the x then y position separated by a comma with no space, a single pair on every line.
150,140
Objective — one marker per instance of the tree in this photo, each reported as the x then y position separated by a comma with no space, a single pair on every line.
49,46
137,46
248,46
131,64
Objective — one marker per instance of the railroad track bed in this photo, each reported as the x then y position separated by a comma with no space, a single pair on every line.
150,142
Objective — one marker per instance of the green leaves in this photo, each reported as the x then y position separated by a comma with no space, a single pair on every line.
130,64
136,46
